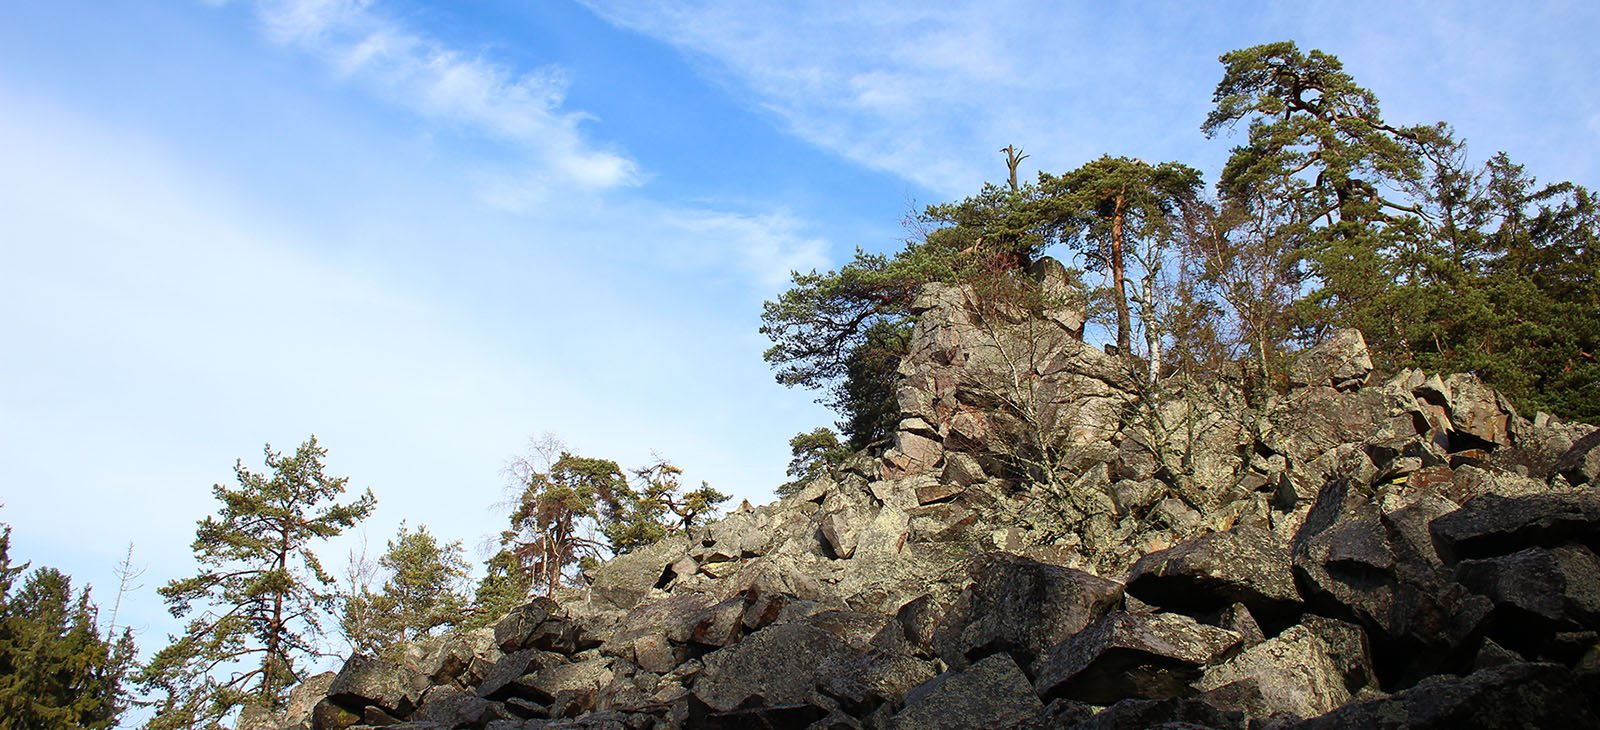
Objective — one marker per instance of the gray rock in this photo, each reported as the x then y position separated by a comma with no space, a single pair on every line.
1341,362
1290,674
1516,696
990,693
778,665
1493,525
1581,463
1246,565
1178,713
1022,607
369,681
500,681
329,715
841,531
304,698
625,580
550,683
1132,655
1349,649
1538,591
517,629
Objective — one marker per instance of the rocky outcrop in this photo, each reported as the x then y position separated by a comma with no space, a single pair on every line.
1053,541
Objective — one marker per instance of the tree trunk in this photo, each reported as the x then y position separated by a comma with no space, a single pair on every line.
1119,294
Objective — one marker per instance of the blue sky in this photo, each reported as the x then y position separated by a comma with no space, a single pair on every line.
428,231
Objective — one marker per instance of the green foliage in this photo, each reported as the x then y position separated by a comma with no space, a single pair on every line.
563,499
865,396
258,603
1107,207
563,503
424,591
1442,265
815,454
56,671
504,586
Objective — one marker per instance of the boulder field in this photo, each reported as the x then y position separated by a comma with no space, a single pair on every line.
1055,540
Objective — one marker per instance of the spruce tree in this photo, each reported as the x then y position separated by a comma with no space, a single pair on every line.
256,607
56,671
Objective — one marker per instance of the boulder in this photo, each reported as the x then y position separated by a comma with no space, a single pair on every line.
1493,525
1538,592
1581,463
1132,655
778,665
1177,713
369,681
990,693
518,628
1292,674
1022,607
1246,565
1515,696
1341,362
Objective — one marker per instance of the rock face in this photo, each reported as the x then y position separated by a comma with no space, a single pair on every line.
1052,542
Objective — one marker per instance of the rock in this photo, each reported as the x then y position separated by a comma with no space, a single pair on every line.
777,665
840,531
1538,592
1348,648
371,681
1020,606
501,680
1351,561
1185,713
1510,697
1493,525
304,698
1291,674
1175,514
1132,655
1480,416
550,683
719,625
623,581
329,715
1341,362
1246,565
255,717
991,693
453,708
1581,463
517,629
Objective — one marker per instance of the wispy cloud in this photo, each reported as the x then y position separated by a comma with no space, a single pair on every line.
929,92
454,87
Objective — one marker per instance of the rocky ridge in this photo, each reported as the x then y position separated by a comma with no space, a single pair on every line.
1052,541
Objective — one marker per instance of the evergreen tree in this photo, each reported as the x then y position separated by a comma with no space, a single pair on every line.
424,591
505,585
1109,206
561,503
815,454
261,595
56,671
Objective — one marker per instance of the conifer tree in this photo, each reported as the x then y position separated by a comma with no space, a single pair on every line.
424,591
258,603
56,671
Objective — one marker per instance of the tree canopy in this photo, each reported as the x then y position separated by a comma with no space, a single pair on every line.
261,595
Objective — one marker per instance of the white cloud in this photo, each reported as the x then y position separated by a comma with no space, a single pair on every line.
454,87
929,93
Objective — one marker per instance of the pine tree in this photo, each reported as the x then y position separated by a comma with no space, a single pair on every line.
260,598
424,591
56,671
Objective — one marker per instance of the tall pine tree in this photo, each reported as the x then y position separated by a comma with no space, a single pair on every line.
258,603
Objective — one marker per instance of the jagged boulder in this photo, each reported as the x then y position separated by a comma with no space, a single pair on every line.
991,693
1133,655
1246,565
776,666
1500,698
1342,363
1022,607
